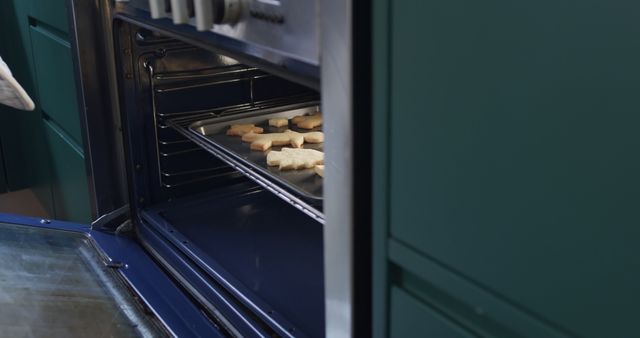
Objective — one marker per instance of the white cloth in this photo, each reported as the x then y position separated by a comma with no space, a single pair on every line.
11,93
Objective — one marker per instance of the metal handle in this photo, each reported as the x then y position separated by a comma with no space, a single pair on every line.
204,14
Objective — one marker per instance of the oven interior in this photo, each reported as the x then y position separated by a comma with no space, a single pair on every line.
250,235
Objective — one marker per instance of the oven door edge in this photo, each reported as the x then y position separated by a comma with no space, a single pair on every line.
94,68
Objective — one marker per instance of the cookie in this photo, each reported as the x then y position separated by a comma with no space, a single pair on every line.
319,169
312,136
308,121
265,141
294,159
242,129
278,122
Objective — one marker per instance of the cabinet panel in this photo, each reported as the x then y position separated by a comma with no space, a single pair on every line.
23,140
69,179
514,147
51,12
55,79
411,318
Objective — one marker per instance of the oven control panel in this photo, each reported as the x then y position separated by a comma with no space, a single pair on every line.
289,27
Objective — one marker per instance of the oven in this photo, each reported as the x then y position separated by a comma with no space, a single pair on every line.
263,252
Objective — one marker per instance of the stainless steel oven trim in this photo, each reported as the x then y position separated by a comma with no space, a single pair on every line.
272,61
286,27
337,106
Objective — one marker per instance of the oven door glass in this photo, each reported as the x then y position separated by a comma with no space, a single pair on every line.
72,281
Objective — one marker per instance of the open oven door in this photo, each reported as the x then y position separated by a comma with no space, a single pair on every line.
74,281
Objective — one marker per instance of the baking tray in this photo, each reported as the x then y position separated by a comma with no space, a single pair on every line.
305,183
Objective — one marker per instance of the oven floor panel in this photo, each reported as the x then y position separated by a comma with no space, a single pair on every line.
48,287
271,248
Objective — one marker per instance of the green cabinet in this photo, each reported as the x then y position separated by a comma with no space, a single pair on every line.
43,150
54,74
50,12
411,318
512,156
24,148
69,179
55,79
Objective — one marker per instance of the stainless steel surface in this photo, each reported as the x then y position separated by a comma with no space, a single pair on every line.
289,27
204,14
156,7
53,284
93,56
232,10
337,93
179,11
305,182
275,61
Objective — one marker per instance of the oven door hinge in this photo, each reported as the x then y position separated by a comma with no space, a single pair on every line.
117,221
126,226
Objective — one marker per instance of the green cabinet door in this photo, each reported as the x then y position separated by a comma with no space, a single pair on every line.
23,143
69,179
412,319
34,42
55,79
50,12
513,152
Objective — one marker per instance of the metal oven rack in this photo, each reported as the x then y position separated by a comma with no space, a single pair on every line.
181,163
185,83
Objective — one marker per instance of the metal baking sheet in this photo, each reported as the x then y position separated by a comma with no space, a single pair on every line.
305,182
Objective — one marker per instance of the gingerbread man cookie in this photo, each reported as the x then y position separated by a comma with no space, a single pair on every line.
242,129
294,159
265,141
278,122
308,121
